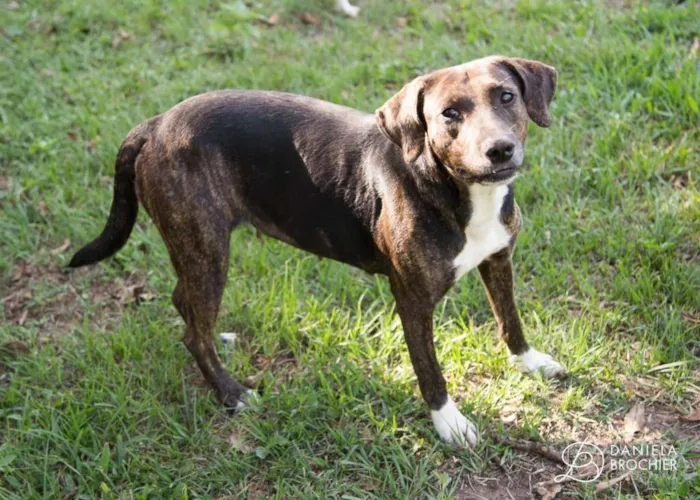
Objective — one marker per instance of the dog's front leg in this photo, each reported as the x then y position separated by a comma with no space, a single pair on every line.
416,313
497,275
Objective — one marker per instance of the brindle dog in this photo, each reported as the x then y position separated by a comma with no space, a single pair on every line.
420,192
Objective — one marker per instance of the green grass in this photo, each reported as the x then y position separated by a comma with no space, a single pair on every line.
108,402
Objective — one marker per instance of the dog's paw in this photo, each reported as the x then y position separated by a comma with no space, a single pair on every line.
237,400
533,360
347,8
453,427
249,400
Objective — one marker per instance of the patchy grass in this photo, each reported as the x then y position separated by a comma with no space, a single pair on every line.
99,397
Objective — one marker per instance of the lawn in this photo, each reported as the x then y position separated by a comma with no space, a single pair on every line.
98,395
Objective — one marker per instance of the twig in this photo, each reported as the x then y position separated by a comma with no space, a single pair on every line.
530,447
602,486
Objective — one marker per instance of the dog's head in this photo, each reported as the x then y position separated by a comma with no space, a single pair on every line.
473,118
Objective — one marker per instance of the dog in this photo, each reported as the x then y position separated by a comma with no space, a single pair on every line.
421,191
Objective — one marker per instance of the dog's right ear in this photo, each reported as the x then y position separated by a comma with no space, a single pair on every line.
401,119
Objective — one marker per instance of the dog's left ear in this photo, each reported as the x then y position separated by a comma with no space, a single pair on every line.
401,119
538,82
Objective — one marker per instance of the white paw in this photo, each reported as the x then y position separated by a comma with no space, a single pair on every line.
533,360
452,426
250,400
348,9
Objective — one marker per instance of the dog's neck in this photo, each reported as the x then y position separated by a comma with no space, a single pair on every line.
440,190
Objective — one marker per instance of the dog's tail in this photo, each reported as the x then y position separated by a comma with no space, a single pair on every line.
125,205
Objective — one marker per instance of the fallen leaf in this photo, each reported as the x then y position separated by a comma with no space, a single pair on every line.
42,208
13,5
694,49
239,443
13,348
634,421
681,181
4,183
105,180
93,142
547,238
548,489
604,485
147,297
690,318
693,417
131,293
307,18
121,37
402,21
273,20
135,293
22,319
64,246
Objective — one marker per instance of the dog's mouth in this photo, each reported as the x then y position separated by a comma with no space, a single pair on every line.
494,176
500,175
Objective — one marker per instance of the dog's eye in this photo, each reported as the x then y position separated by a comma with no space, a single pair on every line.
507,97
451,113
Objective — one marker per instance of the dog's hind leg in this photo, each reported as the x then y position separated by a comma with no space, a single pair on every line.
200,254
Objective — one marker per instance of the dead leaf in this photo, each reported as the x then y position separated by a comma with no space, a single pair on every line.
694,49
548,489
131,293
307,18
693,417
121,37
14,348
105,180
681,181
4,183
604,485
13,5
135,293
634,421
64,246
22,319
690,318
93,142
547,238
402,21
273,20
42,208
239,443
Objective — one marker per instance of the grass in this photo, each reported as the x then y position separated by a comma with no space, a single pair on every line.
98,396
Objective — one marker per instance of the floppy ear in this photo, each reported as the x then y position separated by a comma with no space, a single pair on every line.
537,83
401,119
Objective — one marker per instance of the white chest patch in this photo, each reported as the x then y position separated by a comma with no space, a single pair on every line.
485,233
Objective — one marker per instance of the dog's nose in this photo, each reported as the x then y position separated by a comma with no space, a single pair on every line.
501,151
